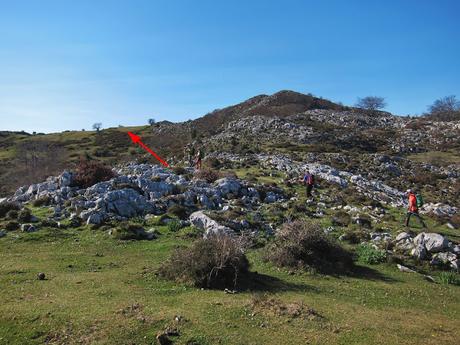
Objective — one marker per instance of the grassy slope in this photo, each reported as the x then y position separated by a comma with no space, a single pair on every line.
91,278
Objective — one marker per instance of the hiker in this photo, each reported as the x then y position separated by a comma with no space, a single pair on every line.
414,203
199,157
191,155
309,181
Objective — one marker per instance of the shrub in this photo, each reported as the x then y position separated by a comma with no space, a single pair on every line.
24,215
447,278
369,255
12,214
178,210
303,244
174,225
7,206
341,218
214,262
179,170
208,175
355,236
11,226
42,201
213,162
129,231
455,221
89,173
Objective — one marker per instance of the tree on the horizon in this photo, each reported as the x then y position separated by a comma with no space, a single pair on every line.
446,104
371,103
151,122
97,126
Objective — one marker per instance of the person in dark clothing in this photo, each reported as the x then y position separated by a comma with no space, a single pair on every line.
309,181
413,209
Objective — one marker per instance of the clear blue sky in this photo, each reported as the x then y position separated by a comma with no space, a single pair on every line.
68,64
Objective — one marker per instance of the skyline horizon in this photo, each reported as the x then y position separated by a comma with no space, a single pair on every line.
68,65
89,128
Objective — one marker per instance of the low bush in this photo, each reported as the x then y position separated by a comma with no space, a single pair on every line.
367,254
455,221
178,210
25,215
174,225
42,201
355,236
88,173
208,175
129,231
5,207
448,278
179,170
214,262
304,245
213,163
11,226
341,218
12,214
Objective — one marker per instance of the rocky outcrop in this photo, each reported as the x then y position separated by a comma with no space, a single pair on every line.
210,226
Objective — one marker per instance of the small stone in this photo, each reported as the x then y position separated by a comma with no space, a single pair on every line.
41,276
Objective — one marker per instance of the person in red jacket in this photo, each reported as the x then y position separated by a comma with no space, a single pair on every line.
413,209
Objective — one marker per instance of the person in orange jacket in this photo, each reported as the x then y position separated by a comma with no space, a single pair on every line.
413,209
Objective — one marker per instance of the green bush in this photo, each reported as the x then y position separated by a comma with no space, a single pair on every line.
129,231
341,218
5,207
448,278
179,170
25,215
303,244
369,255
42,201
174,225
12,214
214,262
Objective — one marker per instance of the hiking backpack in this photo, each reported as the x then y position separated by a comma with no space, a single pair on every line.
419,200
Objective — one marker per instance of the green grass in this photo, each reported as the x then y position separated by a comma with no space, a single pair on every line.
103,291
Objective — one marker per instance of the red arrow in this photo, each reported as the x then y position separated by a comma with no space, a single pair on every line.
137,140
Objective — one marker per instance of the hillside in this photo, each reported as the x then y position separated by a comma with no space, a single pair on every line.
101,245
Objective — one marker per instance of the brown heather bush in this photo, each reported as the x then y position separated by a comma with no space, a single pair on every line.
214,262
208,175
455,220
88,173
304,245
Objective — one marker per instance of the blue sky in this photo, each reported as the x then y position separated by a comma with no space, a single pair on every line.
67,64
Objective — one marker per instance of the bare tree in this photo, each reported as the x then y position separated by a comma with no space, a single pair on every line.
446,104
371,103
151,122
97,126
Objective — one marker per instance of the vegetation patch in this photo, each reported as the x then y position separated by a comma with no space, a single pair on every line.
88,173
303,244
214,262
367,254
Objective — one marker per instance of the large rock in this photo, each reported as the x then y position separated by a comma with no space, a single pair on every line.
419,252
126,203
445,259
431,241
210,226
228,185
65,179
28,228
2,233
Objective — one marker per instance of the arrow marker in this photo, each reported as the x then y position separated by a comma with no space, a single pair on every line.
137,140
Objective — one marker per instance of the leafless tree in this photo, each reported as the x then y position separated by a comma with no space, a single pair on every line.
151,122
446,104
97,126
371,103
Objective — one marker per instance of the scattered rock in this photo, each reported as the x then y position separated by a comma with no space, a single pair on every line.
433,242
405,269
210,226
28,228
41,276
